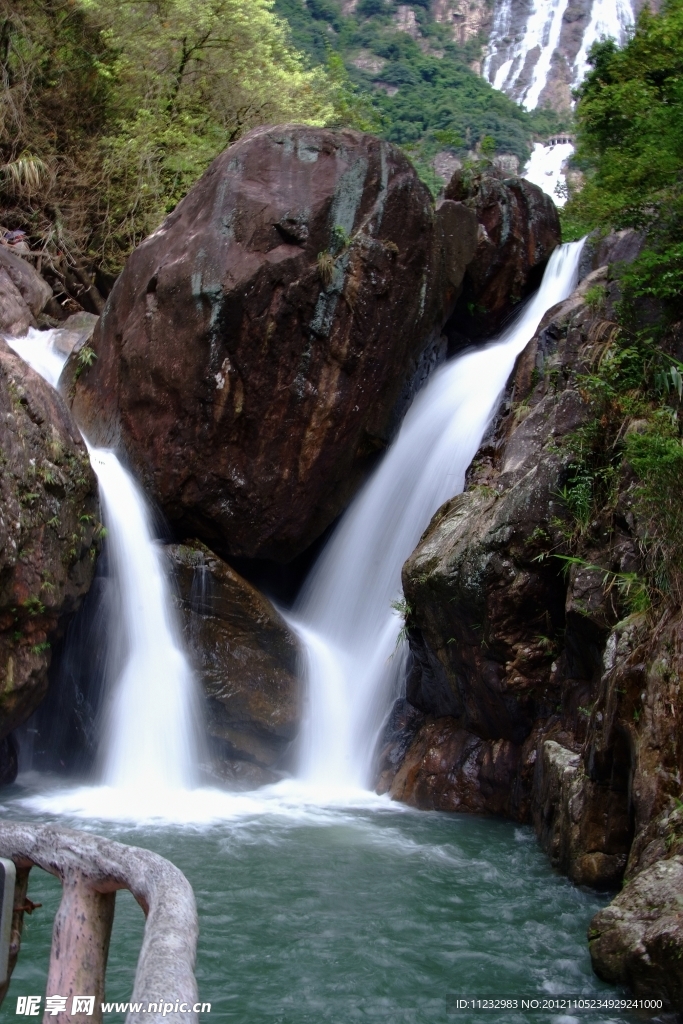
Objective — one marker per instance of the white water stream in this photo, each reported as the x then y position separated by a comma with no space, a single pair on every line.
151,725
546,169
344,616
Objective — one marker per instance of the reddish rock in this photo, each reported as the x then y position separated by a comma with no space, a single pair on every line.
245,658
48,517
447,768
252,353
518,229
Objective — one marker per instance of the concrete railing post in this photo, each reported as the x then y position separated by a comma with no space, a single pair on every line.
91,870
20,890
80,945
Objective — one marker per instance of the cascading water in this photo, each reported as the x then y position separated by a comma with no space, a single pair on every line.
609,18
345,617
539,40
150,731
546,168
313,894
350,632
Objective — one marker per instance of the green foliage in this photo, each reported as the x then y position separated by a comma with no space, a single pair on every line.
636,393
33,605
340,239
403,609
630,129
109,112
577,494
85,358
657,457
630,148
595,297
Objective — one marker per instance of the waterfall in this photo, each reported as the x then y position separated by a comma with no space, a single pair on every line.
545,168
518,62
42,351
609,18
354,654
524,42
350,630
150,730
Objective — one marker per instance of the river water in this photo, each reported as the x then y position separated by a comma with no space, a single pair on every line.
376,913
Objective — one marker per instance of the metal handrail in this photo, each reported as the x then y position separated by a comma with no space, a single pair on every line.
91,870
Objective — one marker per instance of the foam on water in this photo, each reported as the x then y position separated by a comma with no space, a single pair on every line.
290,800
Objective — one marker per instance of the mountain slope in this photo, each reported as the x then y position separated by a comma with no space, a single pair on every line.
420,66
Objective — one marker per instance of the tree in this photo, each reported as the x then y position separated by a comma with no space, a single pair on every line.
149,92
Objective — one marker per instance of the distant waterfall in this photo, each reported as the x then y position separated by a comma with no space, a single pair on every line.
611,18
526,50
351,633
527,37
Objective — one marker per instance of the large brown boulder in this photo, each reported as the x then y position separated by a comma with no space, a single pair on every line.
23,293
245,658
519,228
48,522
253,351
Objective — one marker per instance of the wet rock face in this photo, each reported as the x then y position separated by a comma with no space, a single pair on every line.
507,646
638,939
448,768
48,521
245,658
583,825
23,293
519,228
255,346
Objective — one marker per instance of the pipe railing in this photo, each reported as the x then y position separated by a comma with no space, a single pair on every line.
91,870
